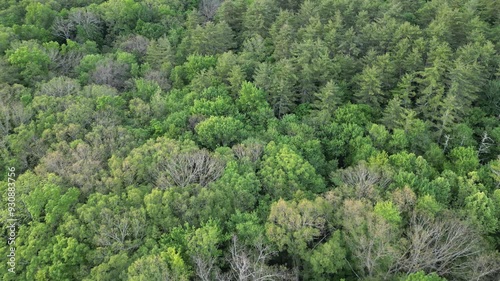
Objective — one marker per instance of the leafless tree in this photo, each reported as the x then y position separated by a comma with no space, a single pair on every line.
195,120
160,78
484,267
12,111
112,73
486,143
405,199
79,166
63,28
251,264
252,151
371,239
59,87
136,44
450,247
187,168
121,231
495,170
204,267
208,8
89,22
364,179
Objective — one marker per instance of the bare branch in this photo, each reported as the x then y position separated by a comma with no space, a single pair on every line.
249,265
189,167
446,247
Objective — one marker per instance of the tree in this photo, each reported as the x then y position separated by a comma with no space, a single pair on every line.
253,104
482,210
328,97
283,172
31,59
367,181
315,67
202,247
371,239
370,87
258,18
250,263
445,246
210,39
87,23
464,159
40,15
208,8
167,266
110,72
160,54
13,113
187,168
220,131
59,87
295,225
279,82
328,258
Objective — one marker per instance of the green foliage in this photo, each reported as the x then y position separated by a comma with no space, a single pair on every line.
283,172
421,276
388,211
294,225
220,131
166,266
328,258
251,139
32,61
464,160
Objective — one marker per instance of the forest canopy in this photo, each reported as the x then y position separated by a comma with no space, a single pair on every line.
250,139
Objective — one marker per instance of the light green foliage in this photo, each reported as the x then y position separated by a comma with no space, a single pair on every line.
293,225
483,210
220,131
421,276
31,59
328,258
40,15
167,265
252,102
283,172
251,139
428,205
389,212
121,15
369,234
464,160
211,39
204,241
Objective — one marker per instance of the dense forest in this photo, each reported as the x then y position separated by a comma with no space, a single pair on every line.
250,140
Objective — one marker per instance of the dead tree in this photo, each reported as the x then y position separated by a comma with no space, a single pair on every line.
252,151
450,247
64,28
208,8
185,168
364,179
252,265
